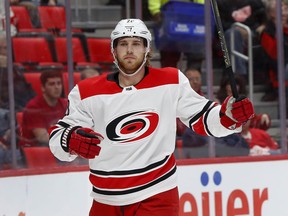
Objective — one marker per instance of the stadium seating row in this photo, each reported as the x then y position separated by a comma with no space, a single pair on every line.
51,18
39,48
34,52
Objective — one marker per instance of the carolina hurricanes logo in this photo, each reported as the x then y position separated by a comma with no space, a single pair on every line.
132,126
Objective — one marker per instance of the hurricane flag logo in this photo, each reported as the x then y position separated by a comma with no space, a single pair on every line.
132,126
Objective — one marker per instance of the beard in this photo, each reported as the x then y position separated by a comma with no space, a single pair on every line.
130,66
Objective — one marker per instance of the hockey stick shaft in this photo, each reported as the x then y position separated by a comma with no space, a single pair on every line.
228,66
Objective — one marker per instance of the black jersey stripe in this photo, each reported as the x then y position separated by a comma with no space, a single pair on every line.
54,132
130,172
205,122
63,124
196,117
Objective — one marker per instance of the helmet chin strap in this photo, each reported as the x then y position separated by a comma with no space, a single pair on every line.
137,71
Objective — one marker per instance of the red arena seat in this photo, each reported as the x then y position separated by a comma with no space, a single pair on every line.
37,157
22,20
61,50
100,52
76,76
34,79
52,17
31,50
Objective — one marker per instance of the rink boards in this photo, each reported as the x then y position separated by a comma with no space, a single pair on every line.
255,186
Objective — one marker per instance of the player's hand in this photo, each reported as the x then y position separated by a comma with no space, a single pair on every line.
235,113
83,142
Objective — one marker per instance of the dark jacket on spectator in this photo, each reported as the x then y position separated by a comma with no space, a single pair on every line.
226,7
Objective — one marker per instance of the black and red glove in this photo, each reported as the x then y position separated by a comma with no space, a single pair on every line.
234,113
81,141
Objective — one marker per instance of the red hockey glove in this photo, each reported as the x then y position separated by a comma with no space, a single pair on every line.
234,114
81,141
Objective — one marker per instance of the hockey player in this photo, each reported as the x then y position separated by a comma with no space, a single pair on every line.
125,124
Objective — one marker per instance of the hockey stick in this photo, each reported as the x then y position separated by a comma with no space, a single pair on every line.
228,66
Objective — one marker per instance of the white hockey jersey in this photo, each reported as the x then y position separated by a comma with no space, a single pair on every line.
138,124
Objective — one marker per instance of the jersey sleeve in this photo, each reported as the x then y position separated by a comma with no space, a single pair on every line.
75,116
199,113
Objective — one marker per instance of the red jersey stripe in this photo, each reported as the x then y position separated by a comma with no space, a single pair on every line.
199,127
125,182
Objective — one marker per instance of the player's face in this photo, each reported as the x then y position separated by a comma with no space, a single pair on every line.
53,88
130,52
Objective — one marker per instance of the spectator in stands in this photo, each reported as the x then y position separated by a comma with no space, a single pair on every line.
44,110
225,88
259,141
5,141
3,45
269,44
4,136
22,94
261,121
194,76
13,29
170,58
3,154
3,51
23,91
89,72
32,9
249,12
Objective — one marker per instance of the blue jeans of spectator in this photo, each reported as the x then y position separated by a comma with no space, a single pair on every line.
2,157
6,156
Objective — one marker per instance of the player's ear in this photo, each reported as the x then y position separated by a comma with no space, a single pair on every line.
113,51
